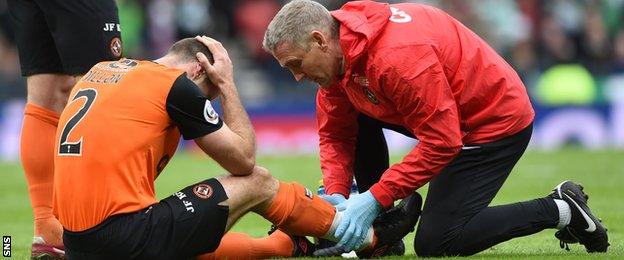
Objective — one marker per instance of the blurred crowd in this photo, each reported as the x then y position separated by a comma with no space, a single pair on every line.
566,51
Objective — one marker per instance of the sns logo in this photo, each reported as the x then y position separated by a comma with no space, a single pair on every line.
6,246
399,16
110,27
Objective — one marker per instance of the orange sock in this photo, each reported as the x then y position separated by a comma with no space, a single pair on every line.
37,156
242,246
296,211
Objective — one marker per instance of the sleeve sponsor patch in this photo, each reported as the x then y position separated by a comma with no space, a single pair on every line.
210,114
191,110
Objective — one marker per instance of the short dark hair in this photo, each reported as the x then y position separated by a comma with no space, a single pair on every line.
187,48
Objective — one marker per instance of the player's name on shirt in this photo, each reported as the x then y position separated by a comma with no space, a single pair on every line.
109,72
97,76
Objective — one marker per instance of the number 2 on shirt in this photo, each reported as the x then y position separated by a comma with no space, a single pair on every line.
68,148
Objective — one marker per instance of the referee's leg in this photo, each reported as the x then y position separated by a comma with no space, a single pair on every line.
456,219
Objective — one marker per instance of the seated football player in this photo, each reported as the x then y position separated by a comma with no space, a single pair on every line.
122,125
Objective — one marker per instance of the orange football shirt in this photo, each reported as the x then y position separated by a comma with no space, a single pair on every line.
114,137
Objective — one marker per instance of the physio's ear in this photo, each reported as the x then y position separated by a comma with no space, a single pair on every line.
319,39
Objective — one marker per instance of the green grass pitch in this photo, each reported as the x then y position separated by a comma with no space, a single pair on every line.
602,174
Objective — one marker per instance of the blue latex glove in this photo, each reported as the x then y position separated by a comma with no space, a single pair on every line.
358,213
333,199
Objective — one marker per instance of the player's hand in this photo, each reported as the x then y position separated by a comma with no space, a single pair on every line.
220,72
358,213
333,199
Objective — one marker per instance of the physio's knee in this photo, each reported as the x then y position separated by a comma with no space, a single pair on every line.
430,245
425,245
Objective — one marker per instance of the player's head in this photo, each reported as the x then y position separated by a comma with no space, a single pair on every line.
183,53
303,37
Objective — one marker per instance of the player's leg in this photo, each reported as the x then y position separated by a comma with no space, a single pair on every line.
38,55
290,206
296,211
278,244
203,212
456,220
37,156
303,207
44,35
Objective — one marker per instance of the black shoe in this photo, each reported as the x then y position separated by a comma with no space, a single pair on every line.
398,249
584,227
392,226
301,245
565,238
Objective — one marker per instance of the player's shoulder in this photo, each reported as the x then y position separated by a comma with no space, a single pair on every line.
140,67
152,75
159,70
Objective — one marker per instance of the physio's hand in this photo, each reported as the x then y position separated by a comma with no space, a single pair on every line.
333,199
220,72
358,213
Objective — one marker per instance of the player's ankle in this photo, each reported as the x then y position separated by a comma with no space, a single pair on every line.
369,242
565,214
329,235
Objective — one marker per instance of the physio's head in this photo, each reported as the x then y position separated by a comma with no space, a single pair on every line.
294,23
183,55
303,37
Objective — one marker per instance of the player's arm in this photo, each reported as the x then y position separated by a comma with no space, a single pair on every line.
418,86
235,147
337,128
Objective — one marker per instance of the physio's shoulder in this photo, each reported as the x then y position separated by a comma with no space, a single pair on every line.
401,59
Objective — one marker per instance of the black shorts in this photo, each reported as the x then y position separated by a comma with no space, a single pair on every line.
186,224
65,36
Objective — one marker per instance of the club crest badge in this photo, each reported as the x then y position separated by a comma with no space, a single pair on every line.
115,47
203,191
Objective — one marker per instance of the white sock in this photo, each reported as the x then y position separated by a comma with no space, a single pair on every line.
332,229
330,233
564,213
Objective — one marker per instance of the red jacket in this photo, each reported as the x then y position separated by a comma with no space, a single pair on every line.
414,65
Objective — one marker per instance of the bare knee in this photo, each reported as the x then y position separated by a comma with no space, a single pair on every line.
265,185
50,91
251,192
